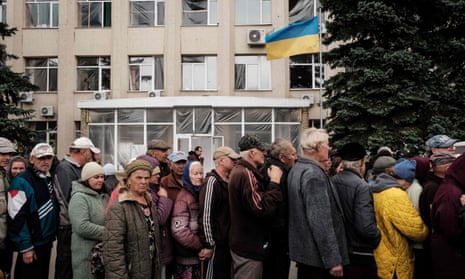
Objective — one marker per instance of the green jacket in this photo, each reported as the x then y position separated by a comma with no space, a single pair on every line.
86,213
126,243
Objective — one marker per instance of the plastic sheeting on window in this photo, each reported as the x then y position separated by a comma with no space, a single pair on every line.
302,10
184,123
227,115
131,116
195,12
257,115
142,13
203,120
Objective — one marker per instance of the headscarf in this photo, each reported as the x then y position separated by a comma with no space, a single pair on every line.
186,180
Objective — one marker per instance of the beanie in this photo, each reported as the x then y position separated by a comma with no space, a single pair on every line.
405,169
109,169
91,169
137,165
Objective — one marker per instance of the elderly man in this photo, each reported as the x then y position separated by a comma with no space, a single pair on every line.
252,202
7,148
173,181
214,212
158,149
317,239
34,214
357,203
69,169
440,143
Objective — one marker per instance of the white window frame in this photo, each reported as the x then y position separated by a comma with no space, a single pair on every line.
99,66
146,68
258,66
52,64
52,6
207,69
89,3
212,13
315,71
243,8
3,10
156,21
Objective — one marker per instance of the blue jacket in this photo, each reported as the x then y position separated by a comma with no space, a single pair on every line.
32,211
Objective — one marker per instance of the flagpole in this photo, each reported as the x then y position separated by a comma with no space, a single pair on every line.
321,67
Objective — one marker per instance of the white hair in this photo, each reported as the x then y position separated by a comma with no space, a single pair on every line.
311,137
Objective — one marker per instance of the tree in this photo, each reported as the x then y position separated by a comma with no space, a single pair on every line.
403,71
13,119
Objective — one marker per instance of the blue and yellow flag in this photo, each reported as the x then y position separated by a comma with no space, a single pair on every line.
297,38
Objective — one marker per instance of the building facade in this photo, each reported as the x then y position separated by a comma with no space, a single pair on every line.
124,72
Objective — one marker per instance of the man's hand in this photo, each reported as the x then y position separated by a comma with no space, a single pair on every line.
29,256
275,173
462,200
162,192
336,271
205,254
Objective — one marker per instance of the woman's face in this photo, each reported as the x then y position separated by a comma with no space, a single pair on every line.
96,182
138,182
17,168
196,174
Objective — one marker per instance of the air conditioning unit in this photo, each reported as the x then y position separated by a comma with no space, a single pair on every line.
309,97
256,37
47,111
100,95
154,93
26,97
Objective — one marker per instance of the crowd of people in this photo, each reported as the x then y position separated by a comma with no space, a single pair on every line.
256,212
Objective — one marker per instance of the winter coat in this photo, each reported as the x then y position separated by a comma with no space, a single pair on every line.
357,203
448,237
399,223
252,205
316,223
86,210
3,208
172,185
126,246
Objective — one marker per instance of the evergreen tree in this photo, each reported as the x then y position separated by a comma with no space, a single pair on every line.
403,71
13,118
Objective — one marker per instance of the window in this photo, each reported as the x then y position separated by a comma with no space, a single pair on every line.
253,12
42,13
94,13
147,12
199,73
43,72
200,12
252,73
305,71
3,11
145,73
93,73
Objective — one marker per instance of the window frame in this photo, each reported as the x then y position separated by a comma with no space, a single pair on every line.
243,8
48,68
153,74
211,11
210,72
53,19
156,20
3,11
99,66
105,13
263,67
314,68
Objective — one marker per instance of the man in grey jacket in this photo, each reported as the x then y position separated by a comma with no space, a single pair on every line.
357,203
317,240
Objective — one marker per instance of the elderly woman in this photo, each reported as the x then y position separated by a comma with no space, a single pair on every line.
185,225
131,236
86,209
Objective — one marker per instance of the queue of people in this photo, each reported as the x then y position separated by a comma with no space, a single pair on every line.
251,216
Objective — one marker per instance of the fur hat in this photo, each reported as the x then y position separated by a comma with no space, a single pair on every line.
91,169
405,169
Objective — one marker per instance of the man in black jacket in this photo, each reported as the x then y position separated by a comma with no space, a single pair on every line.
357,204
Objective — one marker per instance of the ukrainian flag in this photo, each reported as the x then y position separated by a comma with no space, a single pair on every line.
297,38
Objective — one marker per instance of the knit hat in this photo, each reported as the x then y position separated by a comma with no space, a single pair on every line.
382,163
405,169
109,169
152,161
137,165
91,169
6,146
352,151
248,142
440,159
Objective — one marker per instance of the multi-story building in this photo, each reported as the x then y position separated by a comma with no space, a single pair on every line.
191,72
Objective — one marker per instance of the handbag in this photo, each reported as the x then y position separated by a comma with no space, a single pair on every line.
96,263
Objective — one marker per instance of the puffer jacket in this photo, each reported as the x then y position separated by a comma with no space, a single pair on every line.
399,224
125,240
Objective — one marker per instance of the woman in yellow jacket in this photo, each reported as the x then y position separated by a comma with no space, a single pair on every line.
398,222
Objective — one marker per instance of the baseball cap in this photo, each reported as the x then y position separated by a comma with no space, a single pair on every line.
85,143
248,142
177,156
225,151
440,141
6,146
42,150
158,144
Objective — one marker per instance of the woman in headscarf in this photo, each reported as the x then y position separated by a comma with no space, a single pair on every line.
131,236
184,223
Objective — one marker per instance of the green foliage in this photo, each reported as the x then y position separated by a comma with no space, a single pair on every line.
13,119
404,75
